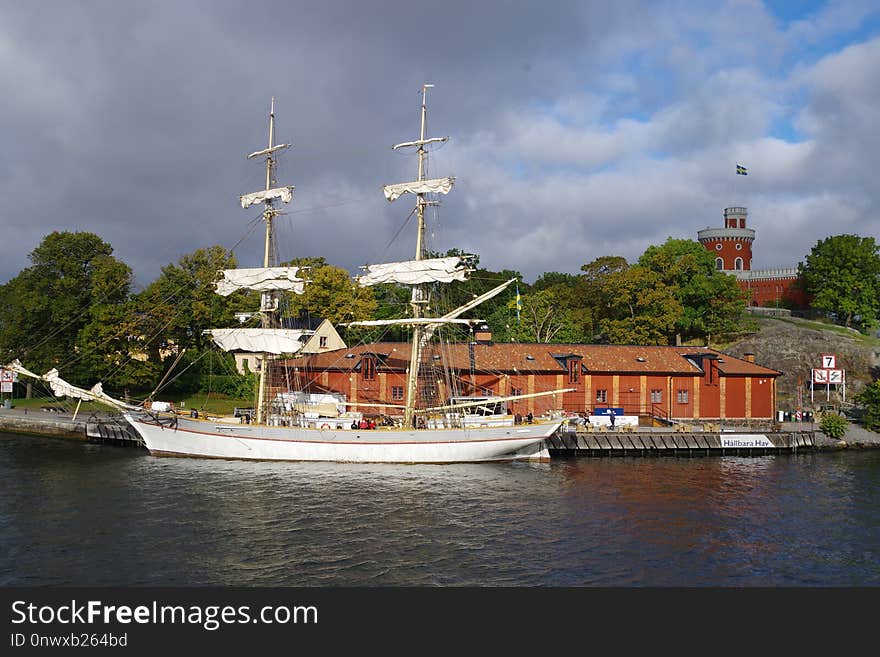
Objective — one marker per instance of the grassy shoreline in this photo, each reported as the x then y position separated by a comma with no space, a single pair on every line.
214,404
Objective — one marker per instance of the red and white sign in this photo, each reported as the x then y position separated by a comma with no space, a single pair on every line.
8,376
828,373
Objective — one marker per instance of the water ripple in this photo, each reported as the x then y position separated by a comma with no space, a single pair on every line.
73,514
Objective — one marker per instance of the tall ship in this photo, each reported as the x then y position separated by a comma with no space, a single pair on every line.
289,425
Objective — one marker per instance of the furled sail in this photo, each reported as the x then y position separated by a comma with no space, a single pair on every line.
62,388
260,278
434,186
16,366
413,321
259,340
415,272
284,193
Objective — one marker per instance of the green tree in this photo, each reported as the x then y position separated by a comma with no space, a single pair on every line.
711,301
543,318
594,295
113,349
72,276
869,399
642,307
182,303
555,279
842,274
330,294
392,302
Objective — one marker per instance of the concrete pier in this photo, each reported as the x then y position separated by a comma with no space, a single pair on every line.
96,427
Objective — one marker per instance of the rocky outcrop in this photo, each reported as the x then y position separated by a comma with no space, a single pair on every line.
794,347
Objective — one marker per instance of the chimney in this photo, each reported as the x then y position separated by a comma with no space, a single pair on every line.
482,334
750,357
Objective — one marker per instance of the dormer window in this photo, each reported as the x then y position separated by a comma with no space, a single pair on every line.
574,370
368,368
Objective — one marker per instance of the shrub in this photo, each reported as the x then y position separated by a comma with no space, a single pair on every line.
833,425
869,398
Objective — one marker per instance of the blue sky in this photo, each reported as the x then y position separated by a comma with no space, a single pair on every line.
577,129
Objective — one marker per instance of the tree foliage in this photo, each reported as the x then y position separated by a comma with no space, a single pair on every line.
711,302
542,318
51,307
182,303
869,399
842,273
330,294
642,309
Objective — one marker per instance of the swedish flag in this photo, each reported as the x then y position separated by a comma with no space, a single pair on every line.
518,303
741,170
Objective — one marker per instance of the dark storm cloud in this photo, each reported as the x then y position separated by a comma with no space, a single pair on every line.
578,129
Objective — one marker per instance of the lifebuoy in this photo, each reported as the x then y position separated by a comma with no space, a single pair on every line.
325,426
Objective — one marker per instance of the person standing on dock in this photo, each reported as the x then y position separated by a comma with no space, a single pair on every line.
611,416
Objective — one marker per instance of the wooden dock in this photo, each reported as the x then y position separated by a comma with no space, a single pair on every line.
648,441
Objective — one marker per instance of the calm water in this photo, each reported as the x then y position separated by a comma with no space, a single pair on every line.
77,514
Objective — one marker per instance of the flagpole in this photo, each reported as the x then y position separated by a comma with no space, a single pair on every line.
741,171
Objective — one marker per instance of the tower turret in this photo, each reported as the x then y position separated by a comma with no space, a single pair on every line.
732,244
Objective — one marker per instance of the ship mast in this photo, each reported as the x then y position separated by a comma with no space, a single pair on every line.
269,298
419,295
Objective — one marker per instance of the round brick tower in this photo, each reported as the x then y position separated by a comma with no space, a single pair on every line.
731,245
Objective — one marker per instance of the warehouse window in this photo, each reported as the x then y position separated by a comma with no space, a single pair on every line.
601,396
656,396
682,397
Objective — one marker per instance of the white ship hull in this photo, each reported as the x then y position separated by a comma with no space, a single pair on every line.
205,439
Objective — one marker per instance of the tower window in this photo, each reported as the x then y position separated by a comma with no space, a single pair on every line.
739,246
718,246
738,264
719,264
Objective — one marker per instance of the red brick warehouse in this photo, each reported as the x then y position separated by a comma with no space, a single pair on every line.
684,383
